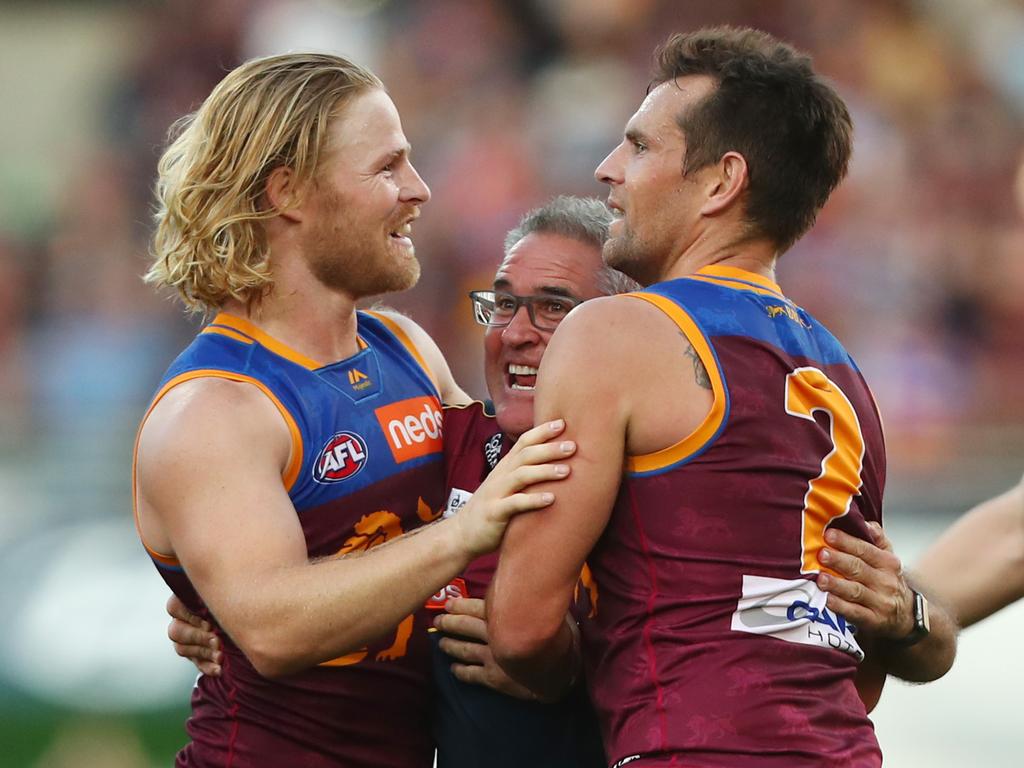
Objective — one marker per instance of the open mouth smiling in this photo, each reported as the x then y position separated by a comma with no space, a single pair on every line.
521,378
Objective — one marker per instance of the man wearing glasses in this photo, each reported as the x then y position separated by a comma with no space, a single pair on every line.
552,264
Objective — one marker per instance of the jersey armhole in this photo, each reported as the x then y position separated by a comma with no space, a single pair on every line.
711,426
288,476
399,333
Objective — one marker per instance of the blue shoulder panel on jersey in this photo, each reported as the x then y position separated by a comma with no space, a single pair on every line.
724,311
361,420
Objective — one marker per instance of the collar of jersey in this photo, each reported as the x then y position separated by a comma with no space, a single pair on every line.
741,278
247,328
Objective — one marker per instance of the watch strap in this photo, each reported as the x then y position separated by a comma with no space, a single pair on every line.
921,626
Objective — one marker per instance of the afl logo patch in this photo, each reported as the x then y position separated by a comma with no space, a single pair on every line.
341,458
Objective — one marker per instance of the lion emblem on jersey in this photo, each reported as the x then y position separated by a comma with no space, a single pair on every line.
372,530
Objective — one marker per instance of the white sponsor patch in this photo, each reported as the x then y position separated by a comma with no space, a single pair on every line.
793,611
457,499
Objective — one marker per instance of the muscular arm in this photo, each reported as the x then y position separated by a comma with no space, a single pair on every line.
210,493
543,554
593,375
977,566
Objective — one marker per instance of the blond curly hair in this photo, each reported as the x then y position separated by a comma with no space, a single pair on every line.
210,244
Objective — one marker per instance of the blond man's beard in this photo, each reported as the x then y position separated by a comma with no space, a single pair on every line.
362,269
360,264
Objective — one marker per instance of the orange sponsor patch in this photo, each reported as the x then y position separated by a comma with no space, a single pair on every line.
411,427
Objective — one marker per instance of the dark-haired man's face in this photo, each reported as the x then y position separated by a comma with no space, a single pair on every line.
656,207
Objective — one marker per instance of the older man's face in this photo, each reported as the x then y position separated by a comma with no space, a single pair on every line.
539,264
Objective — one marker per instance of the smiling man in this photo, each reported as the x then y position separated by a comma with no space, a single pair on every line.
295,429
722,431
552,264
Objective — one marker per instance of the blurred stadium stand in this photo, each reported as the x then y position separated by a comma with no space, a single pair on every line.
917,264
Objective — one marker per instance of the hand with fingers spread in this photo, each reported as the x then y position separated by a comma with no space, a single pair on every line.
465,627
501,496
193,638
872,592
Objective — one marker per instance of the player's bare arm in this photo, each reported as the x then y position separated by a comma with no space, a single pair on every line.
211,456
606,384
977,566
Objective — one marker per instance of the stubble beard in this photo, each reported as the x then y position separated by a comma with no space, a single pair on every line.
360,264
363,268
631,256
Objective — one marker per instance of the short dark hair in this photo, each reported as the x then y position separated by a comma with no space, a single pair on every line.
585,219
789,124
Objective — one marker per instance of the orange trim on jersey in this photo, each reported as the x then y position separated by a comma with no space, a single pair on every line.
288,476
216,328
735,273
277,347
168,560
403,337
227,332
738,286
697,439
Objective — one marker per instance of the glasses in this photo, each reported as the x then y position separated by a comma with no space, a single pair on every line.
496,309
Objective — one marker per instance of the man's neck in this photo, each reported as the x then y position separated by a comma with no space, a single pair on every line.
319,323
756,256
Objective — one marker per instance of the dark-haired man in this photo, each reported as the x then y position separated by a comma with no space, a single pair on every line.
722,430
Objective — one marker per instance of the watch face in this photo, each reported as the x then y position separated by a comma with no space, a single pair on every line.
922,617
922,625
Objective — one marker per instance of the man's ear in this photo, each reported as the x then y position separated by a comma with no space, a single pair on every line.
727,182
282,194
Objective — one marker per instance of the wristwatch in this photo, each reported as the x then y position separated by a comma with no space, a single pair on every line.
921,624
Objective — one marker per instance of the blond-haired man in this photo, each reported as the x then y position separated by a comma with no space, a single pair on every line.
294,428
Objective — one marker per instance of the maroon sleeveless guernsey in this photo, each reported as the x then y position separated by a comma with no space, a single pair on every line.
710,643
367,467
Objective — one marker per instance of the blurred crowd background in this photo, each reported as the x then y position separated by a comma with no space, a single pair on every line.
917,264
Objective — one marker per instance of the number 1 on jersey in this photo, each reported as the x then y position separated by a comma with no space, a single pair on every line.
830,493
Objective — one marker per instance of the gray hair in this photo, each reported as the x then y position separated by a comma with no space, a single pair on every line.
585,219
